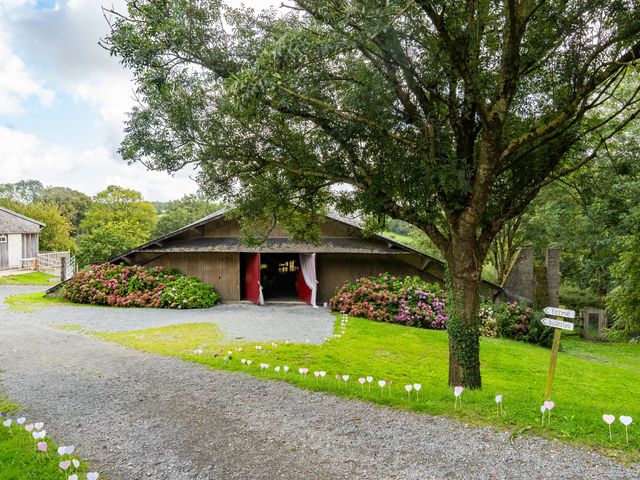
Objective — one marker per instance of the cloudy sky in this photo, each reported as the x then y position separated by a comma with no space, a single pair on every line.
63,100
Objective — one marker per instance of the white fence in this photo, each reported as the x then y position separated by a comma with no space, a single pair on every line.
62,264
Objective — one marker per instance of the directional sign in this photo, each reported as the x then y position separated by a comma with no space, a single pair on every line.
551,322
560,312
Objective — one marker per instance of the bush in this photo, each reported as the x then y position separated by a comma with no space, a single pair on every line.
518,322
189,292
488,322
413,302
136,286
407,301
575,298
513,320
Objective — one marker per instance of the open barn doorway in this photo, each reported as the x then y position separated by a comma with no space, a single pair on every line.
279,276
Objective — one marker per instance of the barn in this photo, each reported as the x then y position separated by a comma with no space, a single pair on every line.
19,239
282,269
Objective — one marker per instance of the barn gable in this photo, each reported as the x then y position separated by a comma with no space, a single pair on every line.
13,222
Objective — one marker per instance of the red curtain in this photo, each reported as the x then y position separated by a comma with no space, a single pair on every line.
304,292
252,279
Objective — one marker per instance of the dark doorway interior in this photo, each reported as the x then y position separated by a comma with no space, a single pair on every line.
278,275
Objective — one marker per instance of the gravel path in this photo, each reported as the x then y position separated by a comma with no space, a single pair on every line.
239,321
137,416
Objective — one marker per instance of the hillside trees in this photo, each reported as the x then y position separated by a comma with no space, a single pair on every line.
182,212
118,220
23,191
448,115
71,203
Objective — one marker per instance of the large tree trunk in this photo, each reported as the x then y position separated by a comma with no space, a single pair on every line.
465,270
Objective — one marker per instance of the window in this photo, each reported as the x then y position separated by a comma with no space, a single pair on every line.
3,238
287,267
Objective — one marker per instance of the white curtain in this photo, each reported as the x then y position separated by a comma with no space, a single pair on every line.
308,266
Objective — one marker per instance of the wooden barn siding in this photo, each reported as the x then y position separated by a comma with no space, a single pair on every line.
335,269
30,243
222,270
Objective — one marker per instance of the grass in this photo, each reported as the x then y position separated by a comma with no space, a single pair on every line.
19,459
32,278
30,302
591,378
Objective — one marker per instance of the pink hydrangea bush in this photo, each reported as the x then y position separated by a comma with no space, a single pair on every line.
385,298
136,286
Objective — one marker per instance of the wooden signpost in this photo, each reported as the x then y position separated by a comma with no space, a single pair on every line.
559,325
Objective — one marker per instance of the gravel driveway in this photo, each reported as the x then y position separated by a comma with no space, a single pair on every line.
239,321
135,415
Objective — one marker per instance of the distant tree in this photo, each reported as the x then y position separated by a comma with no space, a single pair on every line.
107,241
400,227
117,220
71,203
160,207
179,213
116,205
24,191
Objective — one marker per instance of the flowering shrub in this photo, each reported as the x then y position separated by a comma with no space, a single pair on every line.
488,322
136,286
518,322
513,320
188,292
407,301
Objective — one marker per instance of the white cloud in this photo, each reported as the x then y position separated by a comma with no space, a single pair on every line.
17,84
47,53
24,156
64,42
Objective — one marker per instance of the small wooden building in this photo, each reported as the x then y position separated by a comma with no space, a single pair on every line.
19,239
282,269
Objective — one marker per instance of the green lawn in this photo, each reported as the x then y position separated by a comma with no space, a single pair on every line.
32,278
19,458
592,378
29,302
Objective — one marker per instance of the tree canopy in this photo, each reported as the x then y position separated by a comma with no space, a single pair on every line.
182,212
107,241
23,191
71,203
119,219
117,204
448,115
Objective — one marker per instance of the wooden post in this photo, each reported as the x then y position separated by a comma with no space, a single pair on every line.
554,360
63,268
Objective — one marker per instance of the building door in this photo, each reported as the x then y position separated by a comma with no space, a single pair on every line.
4,251
252,279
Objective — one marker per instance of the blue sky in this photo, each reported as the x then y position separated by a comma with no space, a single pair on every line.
63,100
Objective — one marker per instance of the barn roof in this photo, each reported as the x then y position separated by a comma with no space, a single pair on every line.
376,243
162,245
13,222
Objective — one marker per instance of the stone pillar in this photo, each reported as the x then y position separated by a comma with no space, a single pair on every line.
519,284
552,262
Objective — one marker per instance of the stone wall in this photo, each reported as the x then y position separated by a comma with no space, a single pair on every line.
535,286
552,262
519,284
